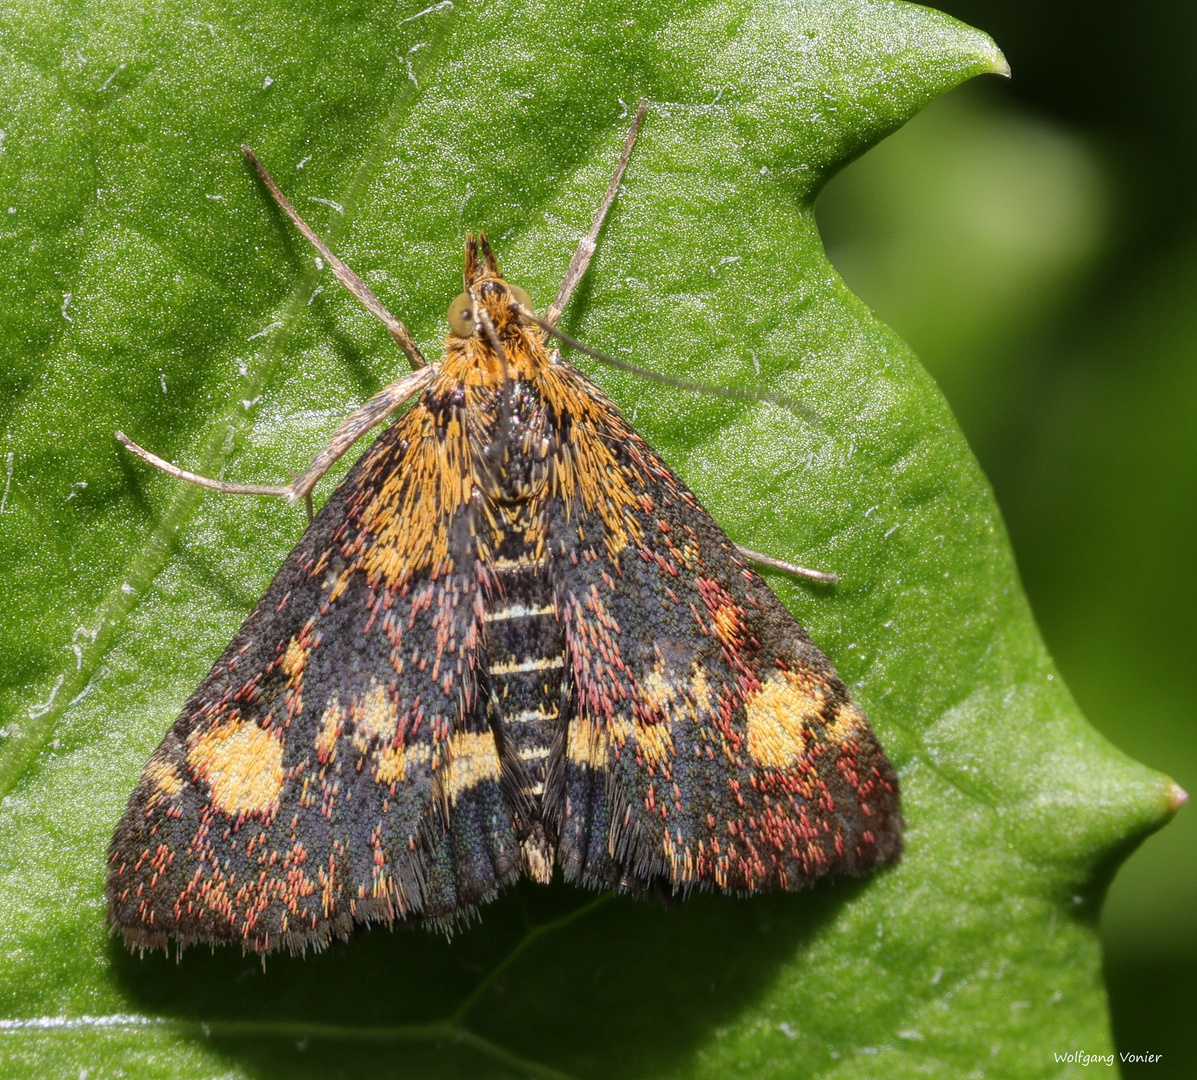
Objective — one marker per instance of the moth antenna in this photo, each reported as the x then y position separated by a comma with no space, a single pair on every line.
731,393
354,284
586,246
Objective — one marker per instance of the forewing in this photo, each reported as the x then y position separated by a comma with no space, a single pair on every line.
336,765
709,742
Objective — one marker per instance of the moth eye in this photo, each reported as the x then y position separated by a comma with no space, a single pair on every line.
521,297
461,316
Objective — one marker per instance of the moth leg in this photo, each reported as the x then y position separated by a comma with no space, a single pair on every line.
352,428
586,246
345,276
786,567
195,478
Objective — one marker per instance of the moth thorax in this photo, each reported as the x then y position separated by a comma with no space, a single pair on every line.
515,459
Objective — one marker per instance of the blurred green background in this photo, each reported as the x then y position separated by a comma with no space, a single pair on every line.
1036,242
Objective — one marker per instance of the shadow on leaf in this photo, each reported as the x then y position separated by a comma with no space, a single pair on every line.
627,988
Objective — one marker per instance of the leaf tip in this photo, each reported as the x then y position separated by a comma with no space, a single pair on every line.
1176,798
994,60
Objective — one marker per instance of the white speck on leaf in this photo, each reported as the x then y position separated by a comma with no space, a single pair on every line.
328,202
261,333
427,11
8,460
48,704
108,81
411,72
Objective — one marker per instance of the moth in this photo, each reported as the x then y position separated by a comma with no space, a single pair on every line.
511,642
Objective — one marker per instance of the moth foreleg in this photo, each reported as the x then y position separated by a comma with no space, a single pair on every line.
194,478
354,284
352,428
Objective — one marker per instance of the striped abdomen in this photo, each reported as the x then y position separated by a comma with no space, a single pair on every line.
525,654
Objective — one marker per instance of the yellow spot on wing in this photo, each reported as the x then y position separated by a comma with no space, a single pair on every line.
700,690
332,723
294,659
164,777
690,557
728,621
472,759
339,584
394,762
846,723
779,715
655,743
657,690
376,716
242,764
589,741
665,702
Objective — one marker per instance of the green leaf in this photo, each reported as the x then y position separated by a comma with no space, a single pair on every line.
154,288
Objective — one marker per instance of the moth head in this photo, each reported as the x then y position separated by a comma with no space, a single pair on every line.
501,300
483,279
